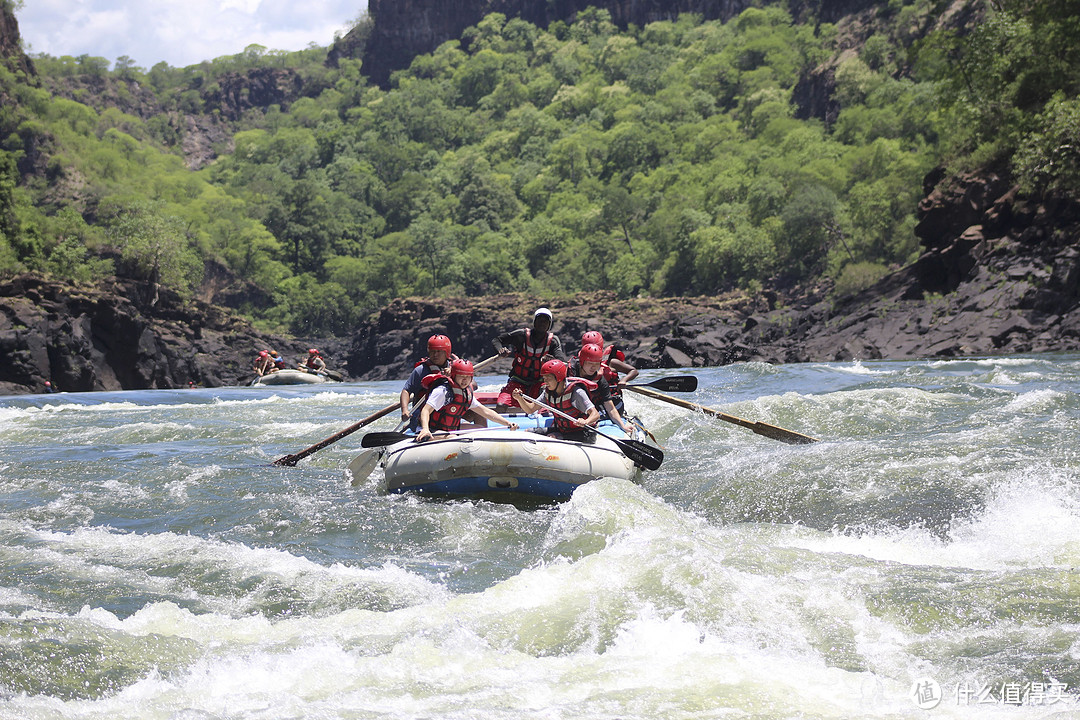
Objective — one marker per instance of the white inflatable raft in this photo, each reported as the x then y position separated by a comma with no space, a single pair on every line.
290,377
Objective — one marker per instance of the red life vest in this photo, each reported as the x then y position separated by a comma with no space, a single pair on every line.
435,368
612,378
528,360
448,417
565,402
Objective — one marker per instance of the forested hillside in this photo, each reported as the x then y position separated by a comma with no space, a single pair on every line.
683,157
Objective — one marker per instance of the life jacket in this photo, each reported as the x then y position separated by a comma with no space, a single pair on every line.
312,362
528,360
564,401
279,362
448,417
605,372
612,352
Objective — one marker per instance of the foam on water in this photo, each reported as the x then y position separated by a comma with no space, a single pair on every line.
933,534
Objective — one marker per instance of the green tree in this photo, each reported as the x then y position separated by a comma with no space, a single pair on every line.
156,247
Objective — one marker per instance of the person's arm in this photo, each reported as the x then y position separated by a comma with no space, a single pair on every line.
486,412
556,349
525,402
425,416
613,413
584,404
508,343
410,389
629,371
435,401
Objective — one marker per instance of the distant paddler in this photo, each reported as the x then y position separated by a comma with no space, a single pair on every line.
314,362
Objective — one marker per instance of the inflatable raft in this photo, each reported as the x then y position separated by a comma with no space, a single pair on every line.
290,377
498,463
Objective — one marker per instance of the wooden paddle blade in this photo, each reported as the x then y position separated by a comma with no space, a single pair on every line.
289,460
778,433
770,431
382,439
675,383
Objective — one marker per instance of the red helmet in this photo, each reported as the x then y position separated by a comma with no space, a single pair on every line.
461,367
313,351
438,342
590,353
554,367
592,338
263,353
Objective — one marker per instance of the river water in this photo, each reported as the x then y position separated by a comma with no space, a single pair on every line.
923,560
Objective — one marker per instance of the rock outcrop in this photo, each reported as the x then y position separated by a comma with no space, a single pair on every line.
11,52
82,338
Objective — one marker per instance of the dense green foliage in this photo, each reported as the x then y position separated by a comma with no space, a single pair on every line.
665,160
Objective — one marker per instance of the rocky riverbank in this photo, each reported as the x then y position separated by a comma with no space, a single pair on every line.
103,338
1000,274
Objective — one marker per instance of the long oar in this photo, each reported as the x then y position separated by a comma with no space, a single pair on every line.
484,363
291,460
674,383
639,453
770,431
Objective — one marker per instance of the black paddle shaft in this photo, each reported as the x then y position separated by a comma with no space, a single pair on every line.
639,453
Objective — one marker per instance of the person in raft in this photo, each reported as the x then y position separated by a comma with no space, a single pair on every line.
438,360
570,395
449,398
263,363
589,365
530,348
614,362
314,362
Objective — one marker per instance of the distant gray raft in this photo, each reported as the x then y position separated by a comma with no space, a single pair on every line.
290,377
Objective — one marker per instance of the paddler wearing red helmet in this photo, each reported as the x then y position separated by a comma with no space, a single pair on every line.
449,398
589,364
438,359
567,394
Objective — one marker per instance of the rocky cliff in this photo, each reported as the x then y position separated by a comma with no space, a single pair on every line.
103,338
404,29
11,52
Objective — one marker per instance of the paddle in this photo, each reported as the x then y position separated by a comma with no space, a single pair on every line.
639,453
675,383
291,460
362,465
484,363
770,431
382,439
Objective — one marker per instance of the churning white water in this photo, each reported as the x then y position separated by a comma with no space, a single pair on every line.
923,560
